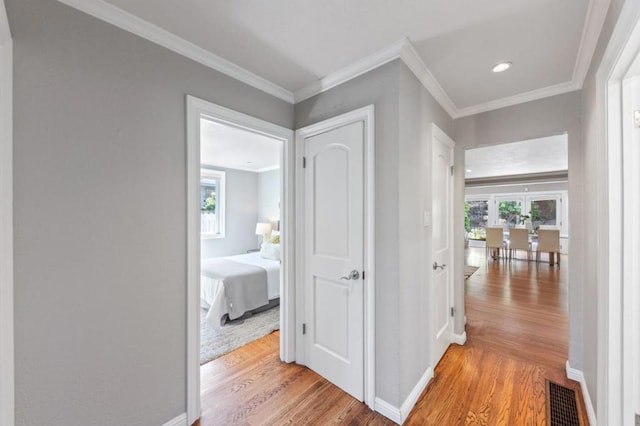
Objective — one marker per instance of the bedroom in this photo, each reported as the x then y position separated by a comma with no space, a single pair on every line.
240,189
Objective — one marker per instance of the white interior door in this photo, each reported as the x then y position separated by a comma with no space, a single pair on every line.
334,256
442,236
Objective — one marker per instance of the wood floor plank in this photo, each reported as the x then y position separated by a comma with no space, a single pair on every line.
517,331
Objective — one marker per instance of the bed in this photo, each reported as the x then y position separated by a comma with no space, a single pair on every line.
231,286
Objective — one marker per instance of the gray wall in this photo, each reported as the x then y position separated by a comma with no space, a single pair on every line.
379,87
404,113
269,196
100,216
591,156
545,117
418,109
241,216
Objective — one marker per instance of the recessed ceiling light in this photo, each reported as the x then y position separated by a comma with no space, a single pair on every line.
502,66
469,170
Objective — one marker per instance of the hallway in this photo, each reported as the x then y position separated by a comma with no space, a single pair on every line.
517,337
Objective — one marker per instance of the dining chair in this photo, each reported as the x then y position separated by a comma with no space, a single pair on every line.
548,242
494,242
519,240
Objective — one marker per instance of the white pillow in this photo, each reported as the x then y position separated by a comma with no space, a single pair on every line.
270,251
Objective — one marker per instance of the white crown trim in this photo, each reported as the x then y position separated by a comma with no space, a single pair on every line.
5,30
402,49
133,24
533,95
415,63
351,71
596,15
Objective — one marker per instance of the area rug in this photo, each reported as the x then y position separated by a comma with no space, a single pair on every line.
215,343
469,270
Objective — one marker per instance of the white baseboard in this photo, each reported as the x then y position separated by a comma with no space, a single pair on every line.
399,415
460,339
388,410
181,420
578,376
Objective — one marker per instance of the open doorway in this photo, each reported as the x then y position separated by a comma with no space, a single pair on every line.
239,246
240,249
516,288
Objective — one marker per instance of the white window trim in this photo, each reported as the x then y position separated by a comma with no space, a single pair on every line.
526,198
221,203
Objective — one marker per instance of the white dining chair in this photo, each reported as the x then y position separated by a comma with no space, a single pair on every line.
548,242
494,241
519,240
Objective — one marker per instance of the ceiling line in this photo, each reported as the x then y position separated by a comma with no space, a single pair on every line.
402,49
5,29
120,18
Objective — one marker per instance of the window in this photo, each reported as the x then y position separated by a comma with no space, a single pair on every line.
544,212
212,203
477,218
509,210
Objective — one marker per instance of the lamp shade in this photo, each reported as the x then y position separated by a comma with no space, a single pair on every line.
263,228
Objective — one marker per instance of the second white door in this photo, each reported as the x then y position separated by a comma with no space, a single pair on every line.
334,255
442,199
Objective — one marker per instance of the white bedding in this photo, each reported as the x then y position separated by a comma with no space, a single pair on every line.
212,296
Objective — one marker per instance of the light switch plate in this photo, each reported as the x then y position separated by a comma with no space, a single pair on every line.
426,219
636,118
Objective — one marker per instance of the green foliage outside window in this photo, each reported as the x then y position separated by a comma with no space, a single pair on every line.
210,203
509,210
467,219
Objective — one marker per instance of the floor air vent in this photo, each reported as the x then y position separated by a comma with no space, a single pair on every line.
562,406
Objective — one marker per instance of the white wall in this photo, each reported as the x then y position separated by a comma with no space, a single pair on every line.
269,196
241,216
100,216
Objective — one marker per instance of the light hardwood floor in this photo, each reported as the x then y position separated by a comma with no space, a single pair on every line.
517,337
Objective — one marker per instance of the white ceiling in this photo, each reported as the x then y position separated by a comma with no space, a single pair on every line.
541,155
295,43
226,146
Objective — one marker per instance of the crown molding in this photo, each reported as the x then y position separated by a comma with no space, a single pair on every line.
414,62
402,49
133,24
596,15
351,71
5,30
533,95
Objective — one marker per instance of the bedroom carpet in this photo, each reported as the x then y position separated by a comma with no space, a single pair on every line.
469,270
215,343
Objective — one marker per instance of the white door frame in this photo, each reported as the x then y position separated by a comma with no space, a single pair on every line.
614,256
365,114
7,373
197,108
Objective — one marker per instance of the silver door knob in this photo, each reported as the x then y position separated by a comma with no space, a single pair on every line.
436,266
354,275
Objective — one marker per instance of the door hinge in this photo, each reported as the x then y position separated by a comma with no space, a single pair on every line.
304,328
452,168
304,162
363,275
453,311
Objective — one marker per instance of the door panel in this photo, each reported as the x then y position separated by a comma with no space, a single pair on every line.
334,246
442,209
